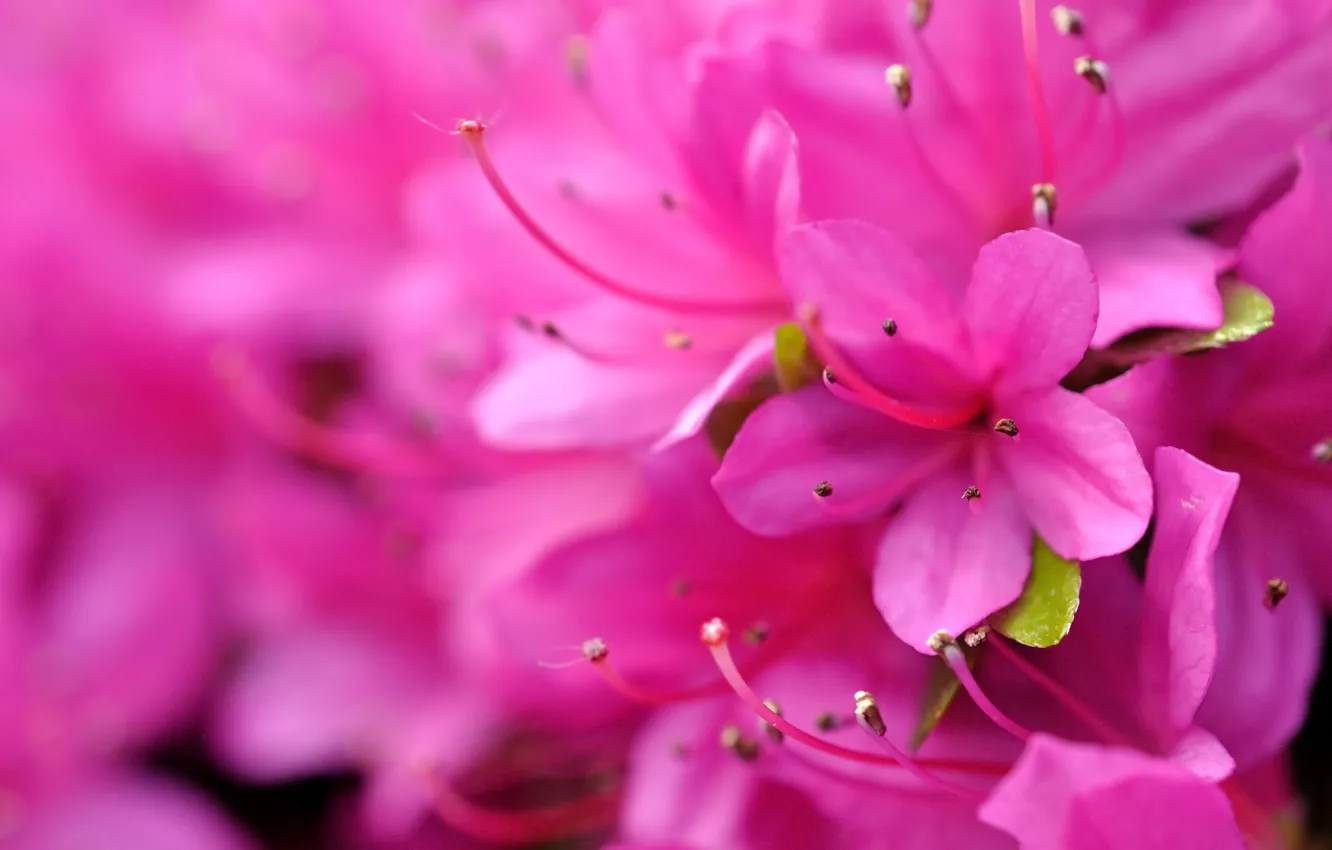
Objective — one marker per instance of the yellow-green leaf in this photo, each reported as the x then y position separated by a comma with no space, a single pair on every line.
939,691
1248,312
1043,614
791,359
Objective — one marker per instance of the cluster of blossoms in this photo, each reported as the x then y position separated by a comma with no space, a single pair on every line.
663,424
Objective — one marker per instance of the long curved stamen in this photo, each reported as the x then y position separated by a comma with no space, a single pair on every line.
1060,694
675,340
531,826
869,719
474,131
715,634
1036,90
1105,90
300,434
943,644
596,651
867,394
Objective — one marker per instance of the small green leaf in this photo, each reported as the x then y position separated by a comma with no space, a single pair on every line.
1248,312
791,358
939,691
1043,614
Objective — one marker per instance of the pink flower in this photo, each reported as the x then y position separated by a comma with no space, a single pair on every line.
995,432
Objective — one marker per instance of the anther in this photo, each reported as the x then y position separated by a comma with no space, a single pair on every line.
681,587
1277,589
470,128
756,634
1094,71
745,748
668,202
1044,201
679,340
868,714
826,721
890,327
595,650
1322,451
714,632
972,492
823,489
1067,21
774,734
976,636
1007,427
899,78
918,12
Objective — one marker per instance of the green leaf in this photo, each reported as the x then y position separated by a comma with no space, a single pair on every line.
939,691
1043,614
791,358
1248,312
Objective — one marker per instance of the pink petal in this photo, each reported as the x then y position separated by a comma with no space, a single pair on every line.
1178,650
1076,474
1163,279
749,363
1031,307
794,442
771,179
943,565
1203,754
1062,795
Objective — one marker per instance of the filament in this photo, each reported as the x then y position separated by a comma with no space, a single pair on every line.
945,646
1040,108
1061,694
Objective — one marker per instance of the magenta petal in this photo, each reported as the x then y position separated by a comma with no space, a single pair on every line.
749,363
771,179
1160,279
1204,755
1062,795
1031,307
1178,650
1076,473
942,565
795,442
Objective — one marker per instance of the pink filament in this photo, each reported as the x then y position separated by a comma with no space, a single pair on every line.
649,697
958,662
885,496
1060,694
474,131
531,826
722,656
304,436
869,395
1040,108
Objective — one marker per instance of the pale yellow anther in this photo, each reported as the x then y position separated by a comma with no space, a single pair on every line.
898,78
1067,21
1094,71
918,12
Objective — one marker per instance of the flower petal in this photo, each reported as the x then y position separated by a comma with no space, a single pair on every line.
1076,474
1031,308
771,179
942,565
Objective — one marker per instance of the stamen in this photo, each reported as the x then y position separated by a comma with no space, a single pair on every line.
972,492
679,340
1322,451
756,634
767,728
473,133
1007,427
823,490
866,392
293,430
1061,694
826,721
899,78
1277,590
552,332
576,51
532,826
918,12
1044,200
976,636
598,653
894,489
714,635
1094,71
871,720
668,202
947,648
1036,90
746,748
890,327
1067,21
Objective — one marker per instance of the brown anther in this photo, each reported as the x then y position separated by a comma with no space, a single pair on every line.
918,12
890,327
1276,591
1044,200
1067,21
714,632
823,489
668,202
976,636
773,733
679,340
826,721
595,649
1094,71
1322,451
941,642
1007,427
575,55
470,128
868,715
524,323
756,634
745,748
899,78
972,492
681,587
550,331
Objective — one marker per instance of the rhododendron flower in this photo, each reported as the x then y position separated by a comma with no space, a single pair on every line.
951,408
